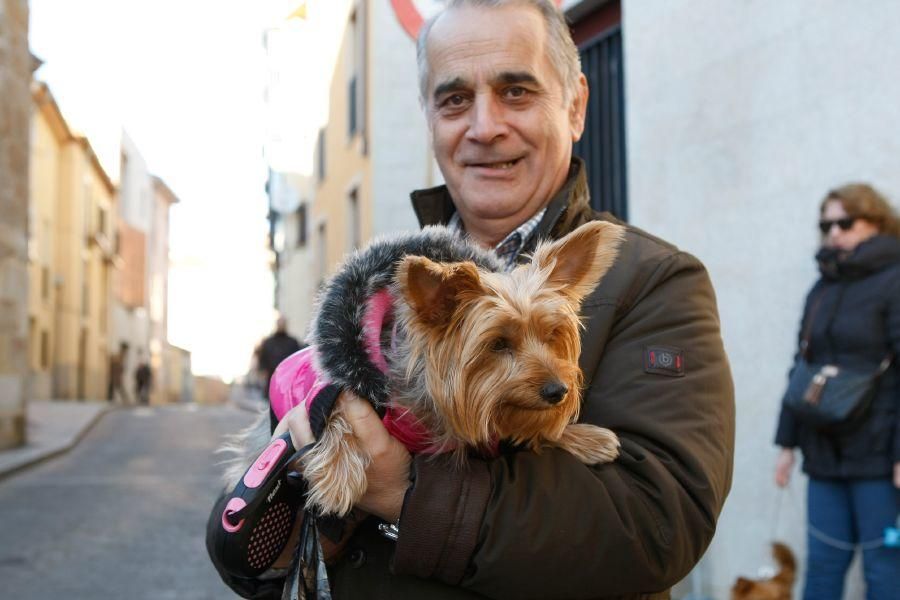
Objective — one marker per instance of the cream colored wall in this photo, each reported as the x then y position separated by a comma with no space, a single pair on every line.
80,260
346,167
99,286
45,159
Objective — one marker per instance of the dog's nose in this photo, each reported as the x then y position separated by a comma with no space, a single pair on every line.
553,392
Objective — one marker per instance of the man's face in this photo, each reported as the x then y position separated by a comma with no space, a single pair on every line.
501,127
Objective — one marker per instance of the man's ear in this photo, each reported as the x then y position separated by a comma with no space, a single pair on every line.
578,261
578,107
434,290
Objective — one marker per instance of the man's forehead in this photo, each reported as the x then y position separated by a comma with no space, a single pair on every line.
489,46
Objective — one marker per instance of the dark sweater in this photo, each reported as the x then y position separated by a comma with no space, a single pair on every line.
854,310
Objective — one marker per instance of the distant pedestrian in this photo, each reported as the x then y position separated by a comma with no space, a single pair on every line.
851,324
116,375
272,351
143,380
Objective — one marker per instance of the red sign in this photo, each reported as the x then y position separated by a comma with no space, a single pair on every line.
411,18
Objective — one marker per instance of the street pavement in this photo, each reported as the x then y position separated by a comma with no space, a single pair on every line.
119,514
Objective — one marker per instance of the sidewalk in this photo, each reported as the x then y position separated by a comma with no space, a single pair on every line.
53,427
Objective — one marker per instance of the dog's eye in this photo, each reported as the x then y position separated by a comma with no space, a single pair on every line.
501,345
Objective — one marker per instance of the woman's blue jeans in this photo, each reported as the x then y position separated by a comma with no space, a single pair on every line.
852,511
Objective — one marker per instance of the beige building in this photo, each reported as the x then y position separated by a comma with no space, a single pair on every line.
140,308
341,215
370,152
71,257
158,289
15,74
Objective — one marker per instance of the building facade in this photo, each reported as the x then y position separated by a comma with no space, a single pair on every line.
738,119
15,77
140,311
131,314
71,259
370,152
158,293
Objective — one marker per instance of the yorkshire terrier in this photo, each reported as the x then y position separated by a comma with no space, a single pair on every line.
455,347
778,587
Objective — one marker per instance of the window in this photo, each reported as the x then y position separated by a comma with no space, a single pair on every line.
351,107
321,255
45,349
320,155
301,225
85,289
87,209
45,283
101,220
354,235
352,65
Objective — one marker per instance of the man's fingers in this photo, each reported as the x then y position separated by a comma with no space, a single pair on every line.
366,424
297,422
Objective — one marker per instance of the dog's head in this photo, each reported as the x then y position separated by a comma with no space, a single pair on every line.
498,352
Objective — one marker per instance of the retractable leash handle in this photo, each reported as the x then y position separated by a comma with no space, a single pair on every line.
892,535
260,512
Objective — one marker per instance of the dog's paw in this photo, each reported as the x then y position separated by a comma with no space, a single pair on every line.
590,444
335,469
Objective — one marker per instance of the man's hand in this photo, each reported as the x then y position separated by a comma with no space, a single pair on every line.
388,473
897,475
785,464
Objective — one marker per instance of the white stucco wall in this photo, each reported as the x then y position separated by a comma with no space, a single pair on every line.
399,145
740,115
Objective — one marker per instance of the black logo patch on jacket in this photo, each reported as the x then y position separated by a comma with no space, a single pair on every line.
664,360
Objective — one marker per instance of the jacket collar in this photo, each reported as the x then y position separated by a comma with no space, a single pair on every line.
873,255
565,211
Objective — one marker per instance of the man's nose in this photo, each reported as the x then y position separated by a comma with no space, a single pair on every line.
487,120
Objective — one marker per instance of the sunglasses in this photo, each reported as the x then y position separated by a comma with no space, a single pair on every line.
845,224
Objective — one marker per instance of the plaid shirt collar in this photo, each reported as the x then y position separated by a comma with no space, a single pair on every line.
509,249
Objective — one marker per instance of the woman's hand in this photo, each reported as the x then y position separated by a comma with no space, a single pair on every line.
785,464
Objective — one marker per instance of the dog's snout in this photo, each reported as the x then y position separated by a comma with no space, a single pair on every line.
553,392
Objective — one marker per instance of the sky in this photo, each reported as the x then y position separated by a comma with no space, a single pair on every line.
186,80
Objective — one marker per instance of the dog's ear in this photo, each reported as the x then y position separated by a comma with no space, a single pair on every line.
578,261
434,290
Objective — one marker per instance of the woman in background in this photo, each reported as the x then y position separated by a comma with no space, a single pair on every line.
852,318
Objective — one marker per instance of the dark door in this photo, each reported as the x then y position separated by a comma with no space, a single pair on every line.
603,144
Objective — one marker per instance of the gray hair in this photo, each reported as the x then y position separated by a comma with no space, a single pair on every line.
561,48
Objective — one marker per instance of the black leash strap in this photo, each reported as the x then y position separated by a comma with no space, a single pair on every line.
322,407
308,576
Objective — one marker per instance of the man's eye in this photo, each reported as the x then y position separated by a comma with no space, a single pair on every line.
454,100
516,92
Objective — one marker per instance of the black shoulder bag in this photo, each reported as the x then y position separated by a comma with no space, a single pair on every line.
829,396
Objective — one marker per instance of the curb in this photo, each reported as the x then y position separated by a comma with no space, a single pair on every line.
47,454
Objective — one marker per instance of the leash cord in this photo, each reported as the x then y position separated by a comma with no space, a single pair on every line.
821,535
839,544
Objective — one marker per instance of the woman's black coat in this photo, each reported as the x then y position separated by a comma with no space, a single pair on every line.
853,317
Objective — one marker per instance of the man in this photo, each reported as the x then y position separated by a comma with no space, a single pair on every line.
272,351
505,100
116,375
143,380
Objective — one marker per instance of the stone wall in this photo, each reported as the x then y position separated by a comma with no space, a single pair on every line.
15,107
